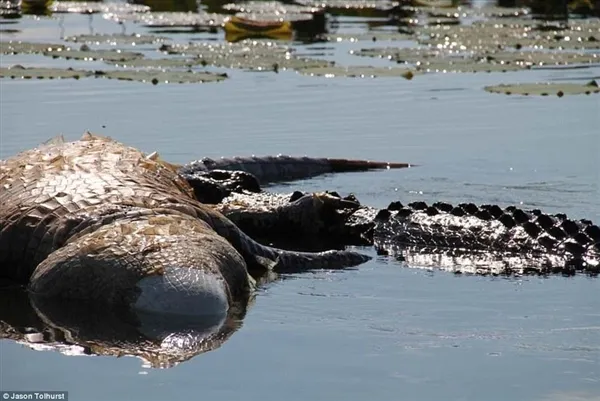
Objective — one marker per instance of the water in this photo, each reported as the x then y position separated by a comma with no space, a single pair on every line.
380,331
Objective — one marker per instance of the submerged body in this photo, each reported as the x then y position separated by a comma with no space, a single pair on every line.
97,220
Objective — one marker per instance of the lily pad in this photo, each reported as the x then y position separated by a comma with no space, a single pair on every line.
85,7
443,21
367,36
162,63
546,89
18,71
358,72
156,77
400,54
480,37
539,58
499,12
275,17
269,7
440,60
199,19
248,54
14,47
384,5
442,12
490,43
463,11
87,54
114,39
433,3
467,65
246,48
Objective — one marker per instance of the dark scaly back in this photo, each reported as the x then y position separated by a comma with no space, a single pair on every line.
516,240
269,169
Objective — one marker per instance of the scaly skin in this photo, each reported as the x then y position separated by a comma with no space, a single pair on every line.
92,218
463,239
487,239
269,169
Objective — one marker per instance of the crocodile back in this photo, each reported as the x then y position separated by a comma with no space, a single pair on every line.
51,192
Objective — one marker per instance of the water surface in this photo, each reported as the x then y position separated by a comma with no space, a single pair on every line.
380,331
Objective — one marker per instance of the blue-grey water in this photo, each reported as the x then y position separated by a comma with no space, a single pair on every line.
381,331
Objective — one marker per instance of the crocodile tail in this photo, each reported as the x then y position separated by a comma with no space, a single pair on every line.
349,165
286,168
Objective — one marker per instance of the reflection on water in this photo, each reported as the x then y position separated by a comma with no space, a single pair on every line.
73,328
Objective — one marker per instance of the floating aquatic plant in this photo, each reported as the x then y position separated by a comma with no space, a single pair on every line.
270,7
18,71
115,39
16,47
85,7
499,12
248,54
443,21
434,3
400,54
199,19
85,53
358,72
546,89
433,60
463,12
150,76
539,58
162,63
384,5
482,37
467,65
366,36
156,77
274,16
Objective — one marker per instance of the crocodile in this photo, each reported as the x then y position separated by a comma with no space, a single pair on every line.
95,213
98,221
464,238
213,180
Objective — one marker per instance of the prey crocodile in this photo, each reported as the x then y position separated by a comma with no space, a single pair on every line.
464,238
98,221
